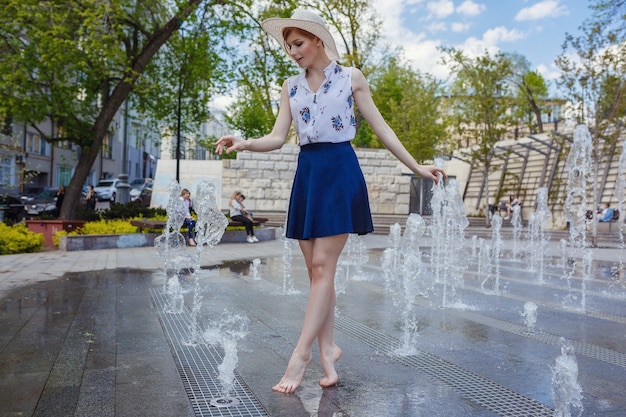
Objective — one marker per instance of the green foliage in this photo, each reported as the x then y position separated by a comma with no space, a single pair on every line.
410,103
18,239
75,63
131,211
108,227
482,97
100,227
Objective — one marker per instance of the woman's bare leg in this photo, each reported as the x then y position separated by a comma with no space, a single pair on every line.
329,351
321,255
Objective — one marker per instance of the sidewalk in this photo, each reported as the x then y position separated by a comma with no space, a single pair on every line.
86,334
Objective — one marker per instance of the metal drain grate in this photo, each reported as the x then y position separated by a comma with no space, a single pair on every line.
581,348
486,393
197,367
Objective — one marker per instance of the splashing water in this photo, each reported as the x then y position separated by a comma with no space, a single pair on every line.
415,280
226,332
620,195
493,274
354,257
288,284
530,315
579,179
566,392
538,225
449,221
391,258
516,221
256,269
180,262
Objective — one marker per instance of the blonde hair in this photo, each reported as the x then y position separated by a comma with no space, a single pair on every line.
232,197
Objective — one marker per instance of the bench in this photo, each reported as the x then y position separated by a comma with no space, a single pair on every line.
160,224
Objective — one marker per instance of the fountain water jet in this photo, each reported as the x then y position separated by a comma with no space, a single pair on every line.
620,194
530,315
225,332
256,269
539,237
566,392
449,221
579,179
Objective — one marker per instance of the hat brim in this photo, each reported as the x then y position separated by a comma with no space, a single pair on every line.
274,26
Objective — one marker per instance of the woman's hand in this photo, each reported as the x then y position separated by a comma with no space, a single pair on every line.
229,144
431,172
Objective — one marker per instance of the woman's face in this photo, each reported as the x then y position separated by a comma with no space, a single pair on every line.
302,47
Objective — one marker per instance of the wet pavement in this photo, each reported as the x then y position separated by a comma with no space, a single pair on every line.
89,334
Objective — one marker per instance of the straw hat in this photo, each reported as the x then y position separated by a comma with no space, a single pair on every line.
305,20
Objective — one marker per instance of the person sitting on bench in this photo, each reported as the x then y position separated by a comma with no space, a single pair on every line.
606,214
239,213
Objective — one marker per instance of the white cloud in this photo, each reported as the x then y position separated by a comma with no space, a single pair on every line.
424,56
474,47
543,9
502,34
550,74
459,27
469,8
440,8
437,27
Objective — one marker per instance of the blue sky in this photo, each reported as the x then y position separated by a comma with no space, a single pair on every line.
533,28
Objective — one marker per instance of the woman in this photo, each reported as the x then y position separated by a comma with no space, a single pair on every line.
239,213
190,222
329,196
90,199
59,200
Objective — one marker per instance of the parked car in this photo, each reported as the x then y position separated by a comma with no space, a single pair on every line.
143,197
141,191
107,189
43,203
11,208
31,192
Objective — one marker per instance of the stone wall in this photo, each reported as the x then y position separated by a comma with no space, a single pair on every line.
265,179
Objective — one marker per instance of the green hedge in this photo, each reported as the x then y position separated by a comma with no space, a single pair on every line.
18,239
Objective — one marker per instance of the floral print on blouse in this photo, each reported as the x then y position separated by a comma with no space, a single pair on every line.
325,115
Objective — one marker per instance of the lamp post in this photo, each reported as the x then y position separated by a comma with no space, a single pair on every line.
122,195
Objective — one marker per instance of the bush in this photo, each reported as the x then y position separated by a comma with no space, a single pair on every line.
131,211
18,239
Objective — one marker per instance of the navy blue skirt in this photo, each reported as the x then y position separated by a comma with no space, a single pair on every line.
329,195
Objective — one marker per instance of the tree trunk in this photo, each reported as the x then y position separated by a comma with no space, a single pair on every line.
112,104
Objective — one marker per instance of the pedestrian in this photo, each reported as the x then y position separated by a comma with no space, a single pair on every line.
329,196
189,222
90,199
59,200
239,213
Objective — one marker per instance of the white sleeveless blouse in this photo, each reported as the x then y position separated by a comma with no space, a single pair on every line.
325,115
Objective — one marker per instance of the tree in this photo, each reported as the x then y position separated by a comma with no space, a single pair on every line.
410,103
482,98
260,69
74,63
593,78
531,90
181,79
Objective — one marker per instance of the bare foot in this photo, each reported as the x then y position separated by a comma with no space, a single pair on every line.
293,375
328,364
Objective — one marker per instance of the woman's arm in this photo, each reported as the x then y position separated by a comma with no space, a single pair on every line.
363,99
270,142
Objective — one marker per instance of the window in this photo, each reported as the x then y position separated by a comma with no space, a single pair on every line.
6,171
64,175
107,147
35,145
